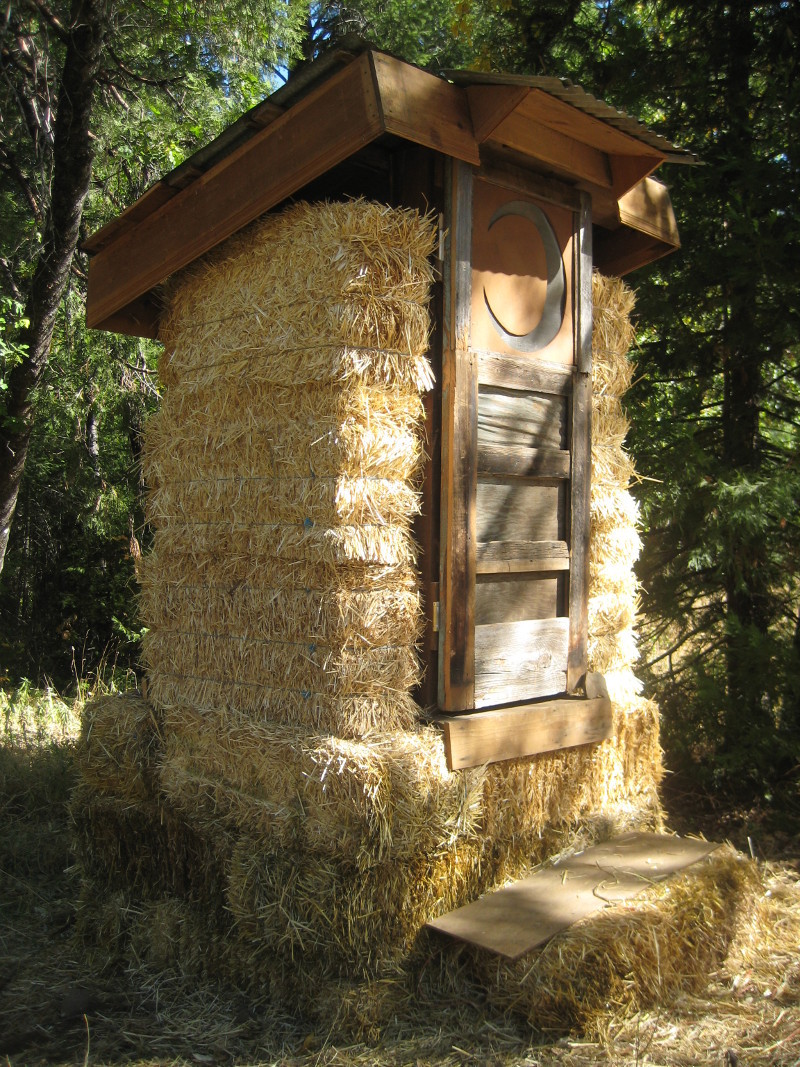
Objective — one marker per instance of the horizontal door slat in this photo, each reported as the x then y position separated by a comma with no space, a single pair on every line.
511,417
520,660
523,373
514,596
509,509
521,462
511,557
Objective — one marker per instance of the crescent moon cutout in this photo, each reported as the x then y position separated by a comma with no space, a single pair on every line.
555,299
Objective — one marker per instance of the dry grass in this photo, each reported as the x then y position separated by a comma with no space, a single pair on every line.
143,1015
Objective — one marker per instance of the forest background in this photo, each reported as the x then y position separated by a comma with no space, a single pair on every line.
98,99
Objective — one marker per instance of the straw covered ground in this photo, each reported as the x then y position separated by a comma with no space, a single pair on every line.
274,813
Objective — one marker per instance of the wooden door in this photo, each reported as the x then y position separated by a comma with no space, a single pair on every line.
516,391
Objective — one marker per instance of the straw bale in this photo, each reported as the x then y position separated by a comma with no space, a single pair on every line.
271,431
179,560
612,335
209,802
121,844
173,934
613,652
321,501
357,1012
346,921
614,543
532,806
303,556
623,686
119,746
612,508
300,542
295,290
348,618
611,466
610,612
355,418
610,423
641,953
611,544
345,716
614,538
300,666
102,926
384,795
613,575
631,761
288,360
167,933
285,464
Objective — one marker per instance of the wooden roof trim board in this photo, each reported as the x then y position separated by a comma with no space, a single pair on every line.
149,202
566,156
579,99
259,116
567,119
648,208
424,109
490,104
256,118
302,144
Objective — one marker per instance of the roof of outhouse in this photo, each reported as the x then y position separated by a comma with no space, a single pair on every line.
337,106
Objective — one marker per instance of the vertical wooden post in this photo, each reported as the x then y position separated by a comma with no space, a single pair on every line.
417,177
581,447
459,454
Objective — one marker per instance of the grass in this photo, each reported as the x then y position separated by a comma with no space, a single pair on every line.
58,1007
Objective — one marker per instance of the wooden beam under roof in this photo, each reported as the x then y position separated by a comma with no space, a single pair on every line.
646,231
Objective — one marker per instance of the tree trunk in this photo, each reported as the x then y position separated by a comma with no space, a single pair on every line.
71,173
746,590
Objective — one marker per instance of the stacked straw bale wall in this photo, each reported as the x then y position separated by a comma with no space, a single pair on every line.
279,759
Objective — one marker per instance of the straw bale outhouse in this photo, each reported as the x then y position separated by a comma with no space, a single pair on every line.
390,601
532,183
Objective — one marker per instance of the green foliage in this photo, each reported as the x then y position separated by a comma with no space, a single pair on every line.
715,407
173,75
69,585
12,351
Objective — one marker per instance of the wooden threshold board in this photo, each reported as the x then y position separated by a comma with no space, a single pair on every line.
516,918
474,738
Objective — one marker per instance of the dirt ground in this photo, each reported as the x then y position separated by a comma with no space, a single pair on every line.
58,1008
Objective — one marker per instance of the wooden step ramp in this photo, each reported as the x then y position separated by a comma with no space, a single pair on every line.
516,918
